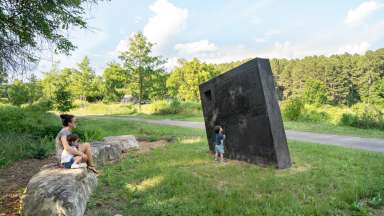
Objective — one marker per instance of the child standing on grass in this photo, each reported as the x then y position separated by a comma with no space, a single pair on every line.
219,137
68,160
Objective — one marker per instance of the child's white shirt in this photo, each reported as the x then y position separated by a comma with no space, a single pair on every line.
66,156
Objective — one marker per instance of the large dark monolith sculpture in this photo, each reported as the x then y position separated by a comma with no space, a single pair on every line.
243,102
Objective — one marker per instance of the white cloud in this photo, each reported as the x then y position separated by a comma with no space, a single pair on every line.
359,48
357,15
196,47
166,23
122,45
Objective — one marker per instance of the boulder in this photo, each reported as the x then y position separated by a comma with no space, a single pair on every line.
111,148
58,191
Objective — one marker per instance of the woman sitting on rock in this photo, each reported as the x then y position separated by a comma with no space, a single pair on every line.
83,150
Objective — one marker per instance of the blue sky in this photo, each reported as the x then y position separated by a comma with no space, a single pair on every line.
220,31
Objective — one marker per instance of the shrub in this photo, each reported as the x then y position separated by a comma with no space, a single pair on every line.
314,116
162,107
4,100
363,116
42,105
292,108
18,93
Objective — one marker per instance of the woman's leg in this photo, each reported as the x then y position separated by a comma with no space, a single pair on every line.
86,149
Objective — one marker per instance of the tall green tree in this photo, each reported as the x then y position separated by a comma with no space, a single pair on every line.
115,81
26,26
143,70
184,81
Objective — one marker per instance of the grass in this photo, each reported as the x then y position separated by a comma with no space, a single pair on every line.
182,179
326,128
22,146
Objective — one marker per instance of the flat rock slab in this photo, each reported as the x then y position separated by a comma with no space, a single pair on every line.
58,191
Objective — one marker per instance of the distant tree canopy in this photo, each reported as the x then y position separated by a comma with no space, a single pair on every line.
338,79
347,78
27,26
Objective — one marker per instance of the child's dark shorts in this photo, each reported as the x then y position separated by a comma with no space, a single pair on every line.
68,164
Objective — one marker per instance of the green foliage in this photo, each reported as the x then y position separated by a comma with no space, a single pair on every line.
183,83
62,99
18,93
292,108
143,70
315,92
162,107
348,79
42,105
115,81
364,116
85,83
28,26
21,93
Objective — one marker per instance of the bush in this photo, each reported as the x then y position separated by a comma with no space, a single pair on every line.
292,108
42,105
314,116
4,101
363,116
163,107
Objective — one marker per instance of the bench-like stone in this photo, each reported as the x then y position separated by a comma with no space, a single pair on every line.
58,191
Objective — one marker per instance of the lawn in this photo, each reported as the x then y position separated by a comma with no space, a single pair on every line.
182,179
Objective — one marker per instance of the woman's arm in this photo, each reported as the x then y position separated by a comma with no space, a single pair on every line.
68,148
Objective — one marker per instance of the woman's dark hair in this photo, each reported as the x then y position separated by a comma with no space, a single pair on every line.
217,129
72,138
66,119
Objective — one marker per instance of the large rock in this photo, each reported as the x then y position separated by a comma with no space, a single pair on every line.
57,191
111,148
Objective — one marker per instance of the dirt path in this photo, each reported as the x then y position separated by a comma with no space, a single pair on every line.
370,144
14,179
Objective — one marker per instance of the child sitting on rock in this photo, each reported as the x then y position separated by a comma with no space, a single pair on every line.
219,137
68,160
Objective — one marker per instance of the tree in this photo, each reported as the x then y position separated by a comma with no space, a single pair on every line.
315,92
115,79
34,89
84,82
18,93
56,87
142,69
184,81
62,99
27,26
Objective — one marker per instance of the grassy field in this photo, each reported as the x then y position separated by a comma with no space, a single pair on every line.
183,179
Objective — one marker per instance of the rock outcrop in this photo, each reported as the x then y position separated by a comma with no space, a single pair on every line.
65,192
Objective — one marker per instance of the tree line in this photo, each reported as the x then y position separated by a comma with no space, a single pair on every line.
338,79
